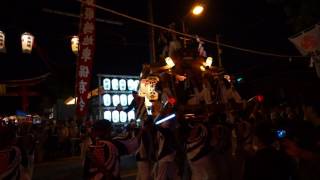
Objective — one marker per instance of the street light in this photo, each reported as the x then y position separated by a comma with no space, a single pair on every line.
197,9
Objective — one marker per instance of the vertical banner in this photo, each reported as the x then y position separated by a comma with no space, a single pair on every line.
86,54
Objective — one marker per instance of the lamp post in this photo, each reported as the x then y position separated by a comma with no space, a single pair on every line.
196,10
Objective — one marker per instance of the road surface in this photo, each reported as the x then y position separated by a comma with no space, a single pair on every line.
70,168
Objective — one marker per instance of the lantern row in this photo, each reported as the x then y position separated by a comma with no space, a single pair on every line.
115,100
27,41
120,84
119,117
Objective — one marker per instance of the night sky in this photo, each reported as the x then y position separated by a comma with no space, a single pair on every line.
122,49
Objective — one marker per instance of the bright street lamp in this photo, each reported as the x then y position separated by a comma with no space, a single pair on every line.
197,9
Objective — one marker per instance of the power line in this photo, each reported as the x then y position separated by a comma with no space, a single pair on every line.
191,36
51,11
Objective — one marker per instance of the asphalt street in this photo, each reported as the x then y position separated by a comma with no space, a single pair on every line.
71,168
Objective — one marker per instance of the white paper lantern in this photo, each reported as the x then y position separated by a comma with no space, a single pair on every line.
115,84
169,62
122,85
27,40
115,100
75,44
123,116
107,99
136,85
130,98
151,92
106,84
2,42
107,115
130,84
131,115
123,100
115,116
209,61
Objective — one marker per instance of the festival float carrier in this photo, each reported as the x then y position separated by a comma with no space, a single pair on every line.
192,87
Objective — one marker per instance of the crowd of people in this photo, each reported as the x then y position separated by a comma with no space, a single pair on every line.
22,144
282,142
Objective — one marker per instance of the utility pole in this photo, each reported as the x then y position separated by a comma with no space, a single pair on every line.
152,46
219,50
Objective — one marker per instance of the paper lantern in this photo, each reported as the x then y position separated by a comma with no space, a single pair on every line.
123,100
143,87
106,84
27,40
75,44
209,61
2,42
131,115
169,62
151,92
107,99
130,98
131,85
123,116
122,85
115,100
107,115
136,85
115,84
115,116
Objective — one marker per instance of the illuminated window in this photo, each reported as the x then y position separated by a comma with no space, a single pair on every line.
130,98
122,85
123,100
131,85
131,115
107,115
123,117
115,84
106,84
115,100
107,99
115,116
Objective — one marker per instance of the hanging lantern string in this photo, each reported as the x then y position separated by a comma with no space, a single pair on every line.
189,35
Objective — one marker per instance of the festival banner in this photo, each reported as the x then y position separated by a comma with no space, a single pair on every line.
86,54
308,41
